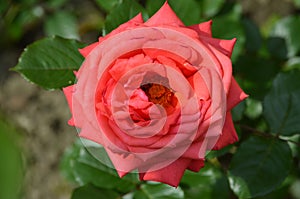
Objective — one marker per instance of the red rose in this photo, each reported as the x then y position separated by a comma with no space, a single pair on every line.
157,96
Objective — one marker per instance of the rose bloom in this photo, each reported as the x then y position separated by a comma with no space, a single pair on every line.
157,96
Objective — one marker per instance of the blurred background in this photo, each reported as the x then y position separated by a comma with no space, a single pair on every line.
33,122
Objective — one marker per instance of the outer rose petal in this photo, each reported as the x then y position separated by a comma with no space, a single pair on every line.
203,29
228,135
68,91
169,175
86,50
164,16
235,95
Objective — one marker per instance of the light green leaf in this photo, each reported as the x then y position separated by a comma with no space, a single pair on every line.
259,166
91,192
50,62
11,167
282,105
62,24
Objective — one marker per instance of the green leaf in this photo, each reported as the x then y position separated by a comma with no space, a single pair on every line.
153,6
282,105
11,167
288,28
253,37
107,5
158,191
256,74
211,7
62,24
121,14
228,27
91,192
277,47
188,11
79,165
238,111
50,62
209,183
259,166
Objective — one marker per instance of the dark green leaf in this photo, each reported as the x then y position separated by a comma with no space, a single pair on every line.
228,27
282,105
288,28
82,167
238,111
91,192
107,5
259,166
255,74
153,6
209,183
253,37
62,24
11,169
158,191
277,47
50,62
122,13
187,10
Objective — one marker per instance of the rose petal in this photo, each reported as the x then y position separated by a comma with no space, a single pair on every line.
203,29
86,51
196,165
225,46
164,16
170,174
235,95
228,135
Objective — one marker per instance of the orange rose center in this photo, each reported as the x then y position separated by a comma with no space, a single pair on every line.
158,94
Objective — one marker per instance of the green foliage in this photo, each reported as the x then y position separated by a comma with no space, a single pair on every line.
50,62
282,105
266,63
11,167
250,173
288,29
91,192
62,24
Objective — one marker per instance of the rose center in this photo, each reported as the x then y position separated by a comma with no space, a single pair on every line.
158,94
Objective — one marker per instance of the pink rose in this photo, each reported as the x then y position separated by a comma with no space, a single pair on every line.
157,96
